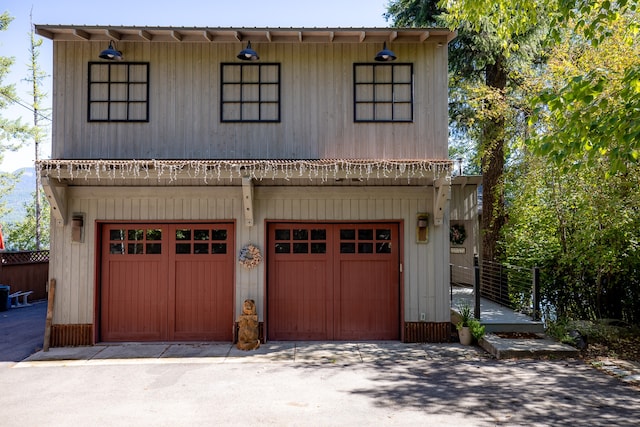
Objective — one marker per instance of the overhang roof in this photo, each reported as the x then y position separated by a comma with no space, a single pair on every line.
230,35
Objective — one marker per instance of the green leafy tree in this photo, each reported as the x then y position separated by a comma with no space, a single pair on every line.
590,113
21,236
490,64
575,201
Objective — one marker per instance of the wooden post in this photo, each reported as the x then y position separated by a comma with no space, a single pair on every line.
47,327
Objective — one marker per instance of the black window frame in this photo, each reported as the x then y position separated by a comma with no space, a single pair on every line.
394,90
110,83
260,83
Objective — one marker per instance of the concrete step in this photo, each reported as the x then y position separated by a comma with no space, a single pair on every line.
520,326
513,348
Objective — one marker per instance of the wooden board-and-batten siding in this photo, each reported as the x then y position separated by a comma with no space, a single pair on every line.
425,273
317,105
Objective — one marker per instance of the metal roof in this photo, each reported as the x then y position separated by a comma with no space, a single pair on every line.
256,35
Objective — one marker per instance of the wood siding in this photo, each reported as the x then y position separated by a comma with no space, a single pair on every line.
184,105
425,277
464,211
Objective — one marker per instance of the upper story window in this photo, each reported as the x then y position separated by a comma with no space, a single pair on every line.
250,92
383,92
118,92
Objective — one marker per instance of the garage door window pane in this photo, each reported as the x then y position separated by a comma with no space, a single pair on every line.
383,248
365,234
300,234
116,248
135,234
116,234
218,248
218,234
347,248
201,235
184,234
183,248
319,234
154,248
154,234
300,248
283,235
383,234
135,248
200,248
365,248
348,234
283,248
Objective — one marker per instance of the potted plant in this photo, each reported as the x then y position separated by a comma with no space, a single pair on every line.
463,326
469,328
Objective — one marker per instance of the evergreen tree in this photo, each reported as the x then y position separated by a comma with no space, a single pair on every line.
489,72
12,132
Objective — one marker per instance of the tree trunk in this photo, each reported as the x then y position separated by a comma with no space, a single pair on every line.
493,139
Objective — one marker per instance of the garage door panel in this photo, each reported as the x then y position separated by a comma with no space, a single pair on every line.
202,294
342,277
135,312
170,282
368,301
298,303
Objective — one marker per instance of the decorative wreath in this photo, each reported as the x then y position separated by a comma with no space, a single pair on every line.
250,256
457,234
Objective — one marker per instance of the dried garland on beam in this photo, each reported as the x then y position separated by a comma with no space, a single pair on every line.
230,169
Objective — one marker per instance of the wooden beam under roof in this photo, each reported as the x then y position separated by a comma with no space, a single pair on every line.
81,34
146,35
207,35
113,35
424,36
56,193
44,33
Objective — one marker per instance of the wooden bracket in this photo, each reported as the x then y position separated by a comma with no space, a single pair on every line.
56,194
247,201
442,195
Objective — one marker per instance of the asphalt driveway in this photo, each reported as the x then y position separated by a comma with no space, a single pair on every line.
22,331
314,384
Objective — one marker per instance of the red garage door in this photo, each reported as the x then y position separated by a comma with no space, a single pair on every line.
333,282
167,282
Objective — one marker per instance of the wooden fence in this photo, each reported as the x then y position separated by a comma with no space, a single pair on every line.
26,271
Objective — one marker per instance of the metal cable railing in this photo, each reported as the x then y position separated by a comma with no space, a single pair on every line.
508,285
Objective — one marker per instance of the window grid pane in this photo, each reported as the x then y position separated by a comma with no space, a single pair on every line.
383,92
118,92
250,92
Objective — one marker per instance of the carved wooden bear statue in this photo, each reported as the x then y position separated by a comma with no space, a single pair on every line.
248,336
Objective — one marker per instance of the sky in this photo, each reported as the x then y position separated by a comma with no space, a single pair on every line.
184,13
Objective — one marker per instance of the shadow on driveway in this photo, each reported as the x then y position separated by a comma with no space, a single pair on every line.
22,331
